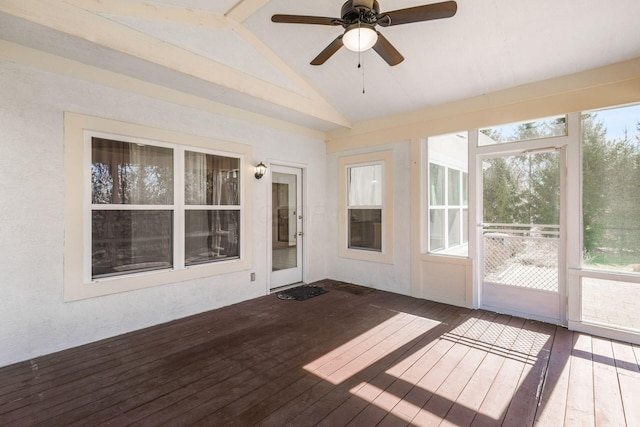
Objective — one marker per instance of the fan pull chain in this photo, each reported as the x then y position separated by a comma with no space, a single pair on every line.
362,66
360,57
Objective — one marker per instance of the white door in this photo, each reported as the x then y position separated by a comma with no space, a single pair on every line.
286,226
522,236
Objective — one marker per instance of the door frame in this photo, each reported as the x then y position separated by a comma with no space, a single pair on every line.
302,242
513,149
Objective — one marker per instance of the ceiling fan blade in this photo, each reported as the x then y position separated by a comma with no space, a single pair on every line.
427,12
301,19
328,51
385,49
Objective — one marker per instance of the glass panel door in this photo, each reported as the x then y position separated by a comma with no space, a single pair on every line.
286,226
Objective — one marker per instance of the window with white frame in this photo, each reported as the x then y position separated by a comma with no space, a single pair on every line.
448,194
136,206
364,205
132,207
212,211
366,225
157,207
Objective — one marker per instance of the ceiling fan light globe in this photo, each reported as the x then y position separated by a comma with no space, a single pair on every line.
360,37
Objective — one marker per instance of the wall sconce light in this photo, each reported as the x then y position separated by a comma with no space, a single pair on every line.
261,169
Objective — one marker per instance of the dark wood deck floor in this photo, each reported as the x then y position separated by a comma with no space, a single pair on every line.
349,357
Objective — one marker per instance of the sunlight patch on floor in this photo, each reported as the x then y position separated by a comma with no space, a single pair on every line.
356,355
384,400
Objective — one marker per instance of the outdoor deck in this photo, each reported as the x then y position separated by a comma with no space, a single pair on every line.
352,356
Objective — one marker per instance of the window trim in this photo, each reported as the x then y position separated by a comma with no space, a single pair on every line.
77,261
385,158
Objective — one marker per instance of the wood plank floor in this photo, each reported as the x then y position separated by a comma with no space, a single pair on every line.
352,356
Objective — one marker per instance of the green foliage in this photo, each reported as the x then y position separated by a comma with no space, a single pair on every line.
522,189
499,186
544,189
594,165
611,173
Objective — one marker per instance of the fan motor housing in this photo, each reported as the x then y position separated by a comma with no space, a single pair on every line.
353,10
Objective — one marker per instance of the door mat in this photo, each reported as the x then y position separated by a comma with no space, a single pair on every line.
301,293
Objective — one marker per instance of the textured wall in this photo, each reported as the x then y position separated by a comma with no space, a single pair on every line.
34,319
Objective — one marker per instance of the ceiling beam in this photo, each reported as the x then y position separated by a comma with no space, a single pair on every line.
241,11
88,26
244,9
231,20
153,12
34,58
276,61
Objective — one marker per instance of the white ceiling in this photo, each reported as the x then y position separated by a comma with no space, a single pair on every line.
229,51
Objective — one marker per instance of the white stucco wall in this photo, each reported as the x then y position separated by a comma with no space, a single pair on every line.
393,277
34,320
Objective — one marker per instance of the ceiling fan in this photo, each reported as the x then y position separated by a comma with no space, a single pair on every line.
359,19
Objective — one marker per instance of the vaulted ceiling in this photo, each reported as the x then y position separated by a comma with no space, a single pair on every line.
228,52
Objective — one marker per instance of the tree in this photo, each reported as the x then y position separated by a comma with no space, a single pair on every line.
594,203
499,187
544,189
610,177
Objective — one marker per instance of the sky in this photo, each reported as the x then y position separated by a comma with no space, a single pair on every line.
617,119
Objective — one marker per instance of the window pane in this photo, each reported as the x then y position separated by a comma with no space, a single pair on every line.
211,180
284,221
454,227
523,131
365,229
365,185
454,187
436,228
465,225
610,196
436,185
211,236
130,241
465,189
131,174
